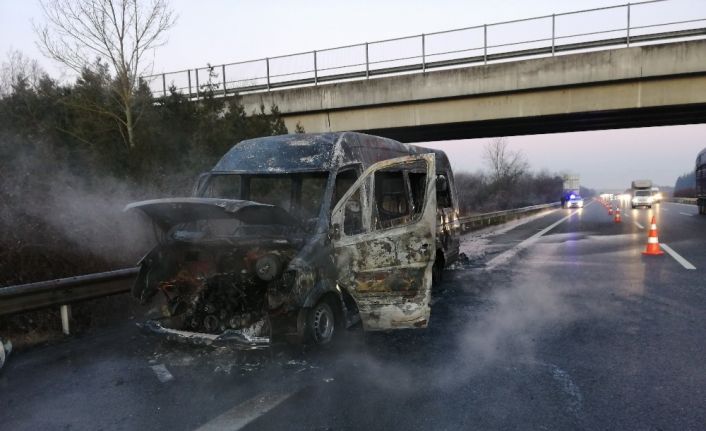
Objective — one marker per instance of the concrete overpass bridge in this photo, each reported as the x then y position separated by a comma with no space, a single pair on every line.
651,85
630,65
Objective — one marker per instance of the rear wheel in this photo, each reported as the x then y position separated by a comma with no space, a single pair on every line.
702,209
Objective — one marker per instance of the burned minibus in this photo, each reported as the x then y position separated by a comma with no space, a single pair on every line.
300,236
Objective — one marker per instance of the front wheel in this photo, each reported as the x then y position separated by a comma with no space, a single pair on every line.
321,323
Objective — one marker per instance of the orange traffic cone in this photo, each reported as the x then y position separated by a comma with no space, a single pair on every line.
652,241
617,215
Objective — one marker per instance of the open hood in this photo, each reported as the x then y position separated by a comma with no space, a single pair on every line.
169,212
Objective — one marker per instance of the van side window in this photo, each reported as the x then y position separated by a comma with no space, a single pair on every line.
344,181
443,194
417,183
391,199
353,218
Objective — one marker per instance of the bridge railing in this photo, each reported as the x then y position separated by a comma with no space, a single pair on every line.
620,25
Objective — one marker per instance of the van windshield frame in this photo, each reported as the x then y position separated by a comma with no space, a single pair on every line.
302,194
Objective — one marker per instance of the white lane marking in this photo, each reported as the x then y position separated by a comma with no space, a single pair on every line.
686,214
475,245
162,373
505,256
664,209
246,412
638,224
685,263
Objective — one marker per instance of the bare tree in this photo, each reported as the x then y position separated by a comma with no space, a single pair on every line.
18,68
120,32
506,165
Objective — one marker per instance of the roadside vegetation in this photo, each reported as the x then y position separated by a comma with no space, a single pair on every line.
67,173
685,186
507,182
74,153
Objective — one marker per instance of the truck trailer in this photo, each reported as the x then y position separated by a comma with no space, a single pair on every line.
571,196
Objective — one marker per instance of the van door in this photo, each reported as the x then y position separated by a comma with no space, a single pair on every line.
385,245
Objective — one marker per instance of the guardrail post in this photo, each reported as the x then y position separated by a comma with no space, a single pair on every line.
316,74
65,311
267,64
367,62
198,94
424,60
164,86
188,76
223,72
485,43
628,29
553,32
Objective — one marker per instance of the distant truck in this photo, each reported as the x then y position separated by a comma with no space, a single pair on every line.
570,196
700,181
641,194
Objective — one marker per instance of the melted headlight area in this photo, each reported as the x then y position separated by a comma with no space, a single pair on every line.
213,290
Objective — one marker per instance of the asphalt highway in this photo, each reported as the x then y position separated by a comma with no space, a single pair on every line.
558,322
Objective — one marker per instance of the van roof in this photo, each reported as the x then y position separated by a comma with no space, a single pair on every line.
316,152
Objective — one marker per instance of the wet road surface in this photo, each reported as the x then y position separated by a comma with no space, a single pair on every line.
572,329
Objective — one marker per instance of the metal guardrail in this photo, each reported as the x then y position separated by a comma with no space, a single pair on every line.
480,220
64,291
688,201
618,25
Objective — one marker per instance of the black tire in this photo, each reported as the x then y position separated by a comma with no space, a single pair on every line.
321,323
633,206
702,210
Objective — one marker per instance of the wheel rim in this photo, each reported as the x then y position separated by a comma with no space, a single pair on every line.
323,323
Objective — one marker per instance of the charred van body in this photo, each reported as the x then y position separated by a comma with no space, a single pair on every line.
300,236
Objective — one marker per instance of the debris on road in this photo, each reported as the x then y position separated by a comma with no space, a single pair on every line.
162,373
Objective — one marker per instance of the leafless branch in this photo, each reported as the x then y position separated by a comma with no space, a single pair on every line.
76,33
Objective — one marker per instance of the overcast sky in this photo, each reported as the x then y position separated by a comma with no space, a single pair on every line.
222,31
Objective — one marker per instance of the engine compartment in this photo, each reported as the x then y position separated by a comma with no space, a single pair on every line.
217,288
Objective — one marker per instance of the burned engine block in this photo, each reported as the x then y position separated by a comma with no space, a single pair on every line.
214,290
